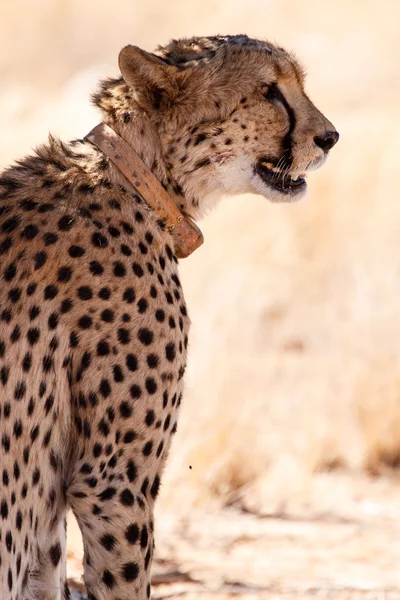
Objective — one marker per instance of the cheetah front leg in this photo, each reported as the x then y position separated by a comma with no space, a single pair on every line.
117,531
112,494
47,576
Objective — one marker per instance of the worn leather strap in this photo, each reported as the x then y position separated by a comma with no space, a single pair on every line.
186,235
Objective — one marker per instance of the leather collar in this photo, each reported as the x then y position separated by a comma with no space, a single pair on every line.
186,235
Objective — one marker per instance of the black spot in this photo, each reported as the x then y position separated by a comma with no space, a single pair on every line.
53,320
96,268
44,208
155,487
131,362
4,374
137,269
129,295
105,388
55,554
85,322
150,418
104,293
107,494
148,448
35,476
103,427
18,520
118,374
76,251
9,541
66,305
136,391
5,245
131,471
10,272
125,409
97,450
160,315
34,312
28,204
123,336
114,232
65,223
145,336
108,541
50,292
108,579
85,293
103,348
152,361
144,537
200,138
130,571
201,163
15,334
49,403
151,385
127,228
119,269
27,362
19,391
14,295
99,240
129,437
127,498
142,305
107,315
86,188
64,274
125,250
30,290
50,238
132,532
29,232
144,487
10,224
170,351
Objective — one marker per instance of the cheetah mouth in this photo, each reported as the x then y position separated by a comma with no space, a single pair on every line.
279,179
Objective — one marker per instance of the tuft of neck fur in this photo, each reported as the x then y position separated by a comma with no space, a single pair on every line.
120,110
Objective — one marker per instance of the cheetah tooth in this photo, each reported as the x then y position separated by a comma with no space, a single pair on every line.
271,166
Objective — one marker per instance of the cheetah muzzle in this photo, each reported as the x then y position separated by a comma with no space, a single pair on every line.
93,320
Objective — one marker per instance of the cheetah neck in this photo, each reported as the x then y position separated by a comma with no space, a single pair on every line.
187,236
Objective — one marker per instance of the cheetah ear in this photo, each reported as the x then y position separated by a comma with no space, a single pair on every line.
153,80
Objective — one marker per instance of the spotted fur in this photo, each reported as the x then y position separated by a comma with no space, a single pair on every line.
93,321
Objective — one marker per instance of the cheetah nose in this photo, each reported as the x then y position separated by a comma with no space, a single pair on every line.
327,140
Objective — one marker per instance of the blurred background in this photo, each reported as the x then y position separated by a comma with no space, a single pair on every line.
284,471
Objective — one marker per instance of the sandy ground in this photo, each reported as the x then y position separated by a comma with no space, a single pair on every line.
350,551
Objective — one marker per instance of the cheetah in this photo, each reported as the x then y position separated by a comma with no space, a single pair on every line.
93,321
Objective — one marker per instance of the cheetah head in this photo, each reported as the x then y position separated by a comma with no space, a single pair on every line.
229,115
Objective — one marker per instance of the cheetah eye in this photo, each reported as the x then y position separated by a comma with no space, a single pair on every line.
269,92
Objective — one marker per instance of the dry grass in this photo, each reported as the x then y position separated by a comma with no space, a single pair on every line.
294,364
